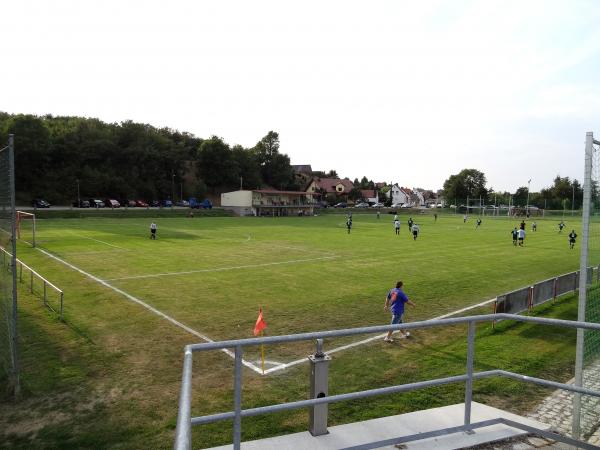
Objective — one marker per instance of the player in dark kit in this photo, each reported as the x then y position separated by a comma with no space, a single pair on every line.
478,223
515,235
410,224
561,225
572,238
349,224
522,226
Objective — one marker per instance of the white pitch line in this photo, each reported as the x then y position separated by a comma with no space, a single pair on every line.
150,308
98,240
220,269
373,338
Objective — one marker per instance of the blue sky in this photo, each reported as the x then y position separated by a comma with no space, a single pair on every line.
409,92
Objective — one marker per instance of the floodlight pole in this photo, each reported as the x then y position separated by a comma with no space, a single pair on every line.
527,207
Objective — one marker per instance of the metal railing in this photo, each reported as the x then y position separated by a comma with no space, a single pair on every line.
185,421
33,275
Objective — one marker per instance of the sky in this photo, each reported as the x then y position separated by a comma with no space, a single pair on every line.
409,92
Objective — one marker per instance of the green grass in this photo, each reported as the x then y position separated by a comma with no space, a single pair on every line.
109,377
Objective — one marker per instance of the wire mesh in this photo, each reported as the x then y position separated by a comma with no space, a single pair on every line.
589,420
8,361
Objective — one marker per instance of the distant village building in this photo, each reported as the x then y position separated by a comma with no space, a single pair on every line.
268,202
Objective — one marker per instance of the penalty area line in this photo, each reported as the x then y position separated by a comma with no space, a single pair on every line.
150,308
221,269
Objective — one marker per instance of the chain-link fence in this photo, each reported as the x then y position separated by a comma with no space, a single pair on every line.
587,371
9,367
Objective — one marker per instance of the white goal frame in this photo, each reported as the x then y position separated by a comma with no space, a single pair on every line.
22,215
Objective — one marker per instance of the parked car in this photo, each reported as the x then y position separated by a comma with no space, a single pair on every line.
184,203
39,203
377,205
141,203
131,203
95,203
155,203
341,205
81,204
167,203
397,205
112,203
204,204
361,205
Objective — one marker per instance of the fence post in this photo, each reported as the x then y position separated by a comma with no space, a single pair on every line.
183,434
319,388
237,398
469,383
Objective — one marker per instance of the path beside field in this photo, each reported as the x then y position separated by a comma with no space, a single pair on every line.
557,408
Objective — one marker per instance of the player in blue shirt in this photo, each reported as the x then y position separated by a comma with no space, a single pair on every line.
395,300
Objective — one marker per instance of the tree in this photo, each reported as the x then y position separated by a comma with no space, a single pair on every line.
216,166
275,168
467,183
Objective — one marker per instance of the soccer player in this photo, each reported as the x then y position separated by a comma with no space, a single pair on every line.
435,217
515,235
561,225
415,231
521,236
465,218
395,301
397,226
378,214
349,224
153,230
534,226
572,238
410,224
395,217
522,226
478,223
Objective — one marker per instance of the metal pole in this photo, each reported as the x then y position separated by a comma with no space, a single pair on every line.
527,207
469,383
237,399
183,435
585,225
14,328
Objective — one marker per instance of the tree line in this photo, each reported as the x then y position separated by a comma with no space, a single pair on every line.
131,160
471,183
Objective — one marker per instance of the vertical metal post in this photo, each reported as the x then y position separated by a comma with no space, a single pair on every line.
469,383
183,435
14,328
237,399
585,225
319,388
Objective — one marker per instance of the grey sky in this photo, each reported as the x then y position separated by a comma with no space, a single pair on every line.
396,91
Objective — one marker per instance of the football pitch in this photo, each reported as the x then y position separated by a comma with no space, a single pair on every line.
207,277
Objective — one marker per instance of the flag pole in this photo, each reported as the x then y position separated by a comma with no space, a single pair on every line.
262,353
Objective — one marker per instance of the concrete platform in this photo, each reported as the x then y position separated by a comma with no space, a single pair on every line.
376,430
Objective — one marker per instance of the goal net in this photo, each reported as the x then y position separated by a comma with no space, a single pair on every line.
26,227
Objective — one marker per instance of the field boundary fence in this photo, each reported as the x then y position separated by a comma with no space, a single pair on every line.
526,298
37,284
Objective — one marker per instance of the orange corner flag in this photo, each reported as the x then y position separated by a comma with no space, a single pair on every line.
260,323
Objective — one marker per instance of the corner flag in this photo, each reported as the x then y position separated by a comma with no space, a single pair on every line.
260,323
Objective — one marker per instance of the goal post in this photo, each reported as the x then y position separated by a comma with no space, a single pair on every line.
26,227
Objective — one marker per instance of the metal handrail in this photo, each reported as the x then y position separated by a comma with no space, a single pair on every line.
185,420
44,281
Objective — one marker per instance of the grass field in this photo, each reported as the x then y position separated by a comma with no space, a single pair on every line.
118,363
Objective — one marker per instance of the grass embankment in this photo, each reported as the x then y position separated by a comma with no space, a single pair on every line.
110,376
